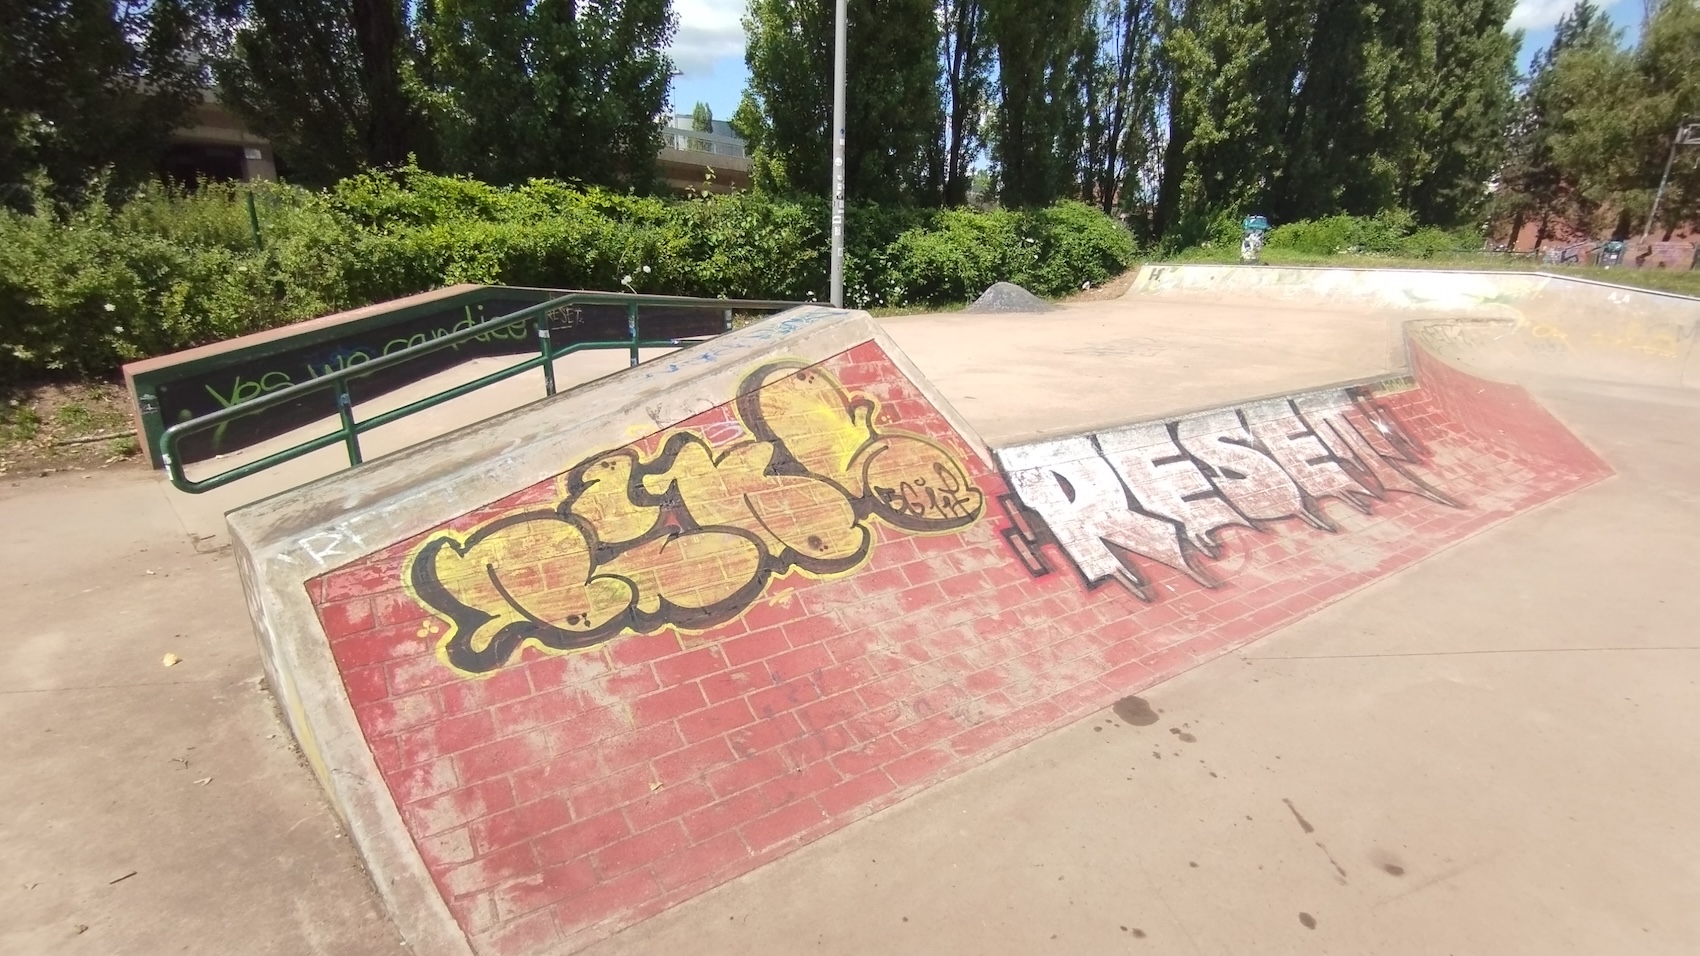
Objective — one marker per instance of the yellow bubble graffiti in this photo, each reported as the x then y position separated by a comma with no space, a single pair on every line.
690,537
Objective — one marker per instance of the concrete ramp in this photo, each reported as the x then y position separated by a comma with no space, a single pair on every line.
571,666
1512,322
1414,291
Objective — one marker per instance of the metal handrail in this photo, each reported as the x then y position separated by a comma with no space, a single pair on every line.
536,318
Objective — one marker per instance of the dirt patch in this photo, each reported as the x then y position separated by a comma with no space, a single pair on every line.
61,427
1113,289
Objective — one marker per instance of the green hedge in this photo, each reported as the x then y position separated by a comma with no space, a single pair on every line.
82,291
1390,234
1395,234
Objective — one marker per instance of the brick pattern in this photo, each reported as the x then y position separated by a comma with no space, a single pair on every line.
566,796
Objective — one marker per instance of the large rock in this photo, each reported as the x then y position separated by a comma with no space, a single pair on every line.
1008,297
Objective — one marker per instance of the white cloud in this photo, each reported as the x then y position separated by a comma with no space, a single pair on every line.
709,30
1540,14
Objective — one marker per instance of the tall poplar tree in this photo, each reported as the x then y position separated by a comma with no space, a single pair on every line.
891,99
323,80
572,89
1036,125
92,86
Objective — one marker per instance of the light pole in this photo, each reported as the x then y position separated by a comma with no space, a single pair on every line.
838,42
1687,134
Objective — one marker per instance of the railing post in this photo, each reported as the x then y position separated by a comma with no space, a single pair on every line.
153,425
345,411
632,330
548,350
728,320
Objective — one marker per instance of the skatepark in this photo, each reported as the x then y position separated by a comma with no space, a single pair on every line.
1256,610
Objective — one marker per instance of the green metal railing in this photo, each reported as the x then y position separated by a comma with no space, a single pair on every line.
537,319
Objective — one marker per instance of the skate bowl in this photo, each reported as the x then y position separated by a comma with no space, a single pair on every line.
574,665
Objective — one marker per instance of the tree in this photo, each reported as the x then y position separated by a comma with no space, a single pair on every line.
702,121
1237,73
1622,110
1034,143
1466,105
1357,126
323,80
891,101
570,89
1532,185
1122,97
965,54
1307,108
92,85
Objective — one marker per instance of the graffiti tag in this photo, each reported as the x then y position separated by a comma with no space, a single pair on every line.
1164,491
244,389
690,537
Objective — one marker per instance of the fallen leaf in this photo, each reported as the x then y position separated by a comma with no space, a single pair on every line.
204,781
170,660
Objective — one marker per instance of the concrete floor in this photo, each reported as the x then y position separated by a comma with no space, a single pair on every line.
1491,753
1086,366
151,809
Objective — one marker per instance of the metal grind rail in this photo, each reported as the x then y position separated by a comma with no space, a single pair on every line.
536,317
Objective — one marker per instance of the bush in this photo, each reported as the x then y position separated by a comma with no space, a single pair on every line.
83,290
1390,233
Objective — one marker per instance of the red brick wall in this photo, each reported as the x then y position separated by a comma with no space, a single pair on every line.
563,796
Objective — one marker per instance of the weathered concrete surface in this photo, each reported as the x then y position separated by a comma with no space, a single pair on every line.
1018,377
1512,322
1493,752
116,764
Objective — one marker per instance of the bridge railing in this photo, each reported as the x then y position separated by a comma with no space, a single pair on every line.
540,321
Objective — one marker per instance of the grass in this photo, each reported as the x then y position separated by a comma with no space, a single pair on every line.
18,423
1658,280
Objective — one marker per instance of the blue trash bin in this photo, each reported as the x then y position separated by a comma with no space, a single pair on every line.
1251,245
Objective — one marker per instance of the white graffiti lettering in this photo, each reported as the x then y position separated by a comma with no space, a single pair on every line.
1078,495
1165,482
1164,491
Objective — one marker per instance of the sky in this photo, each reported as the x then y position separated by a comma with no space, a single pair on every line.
709,49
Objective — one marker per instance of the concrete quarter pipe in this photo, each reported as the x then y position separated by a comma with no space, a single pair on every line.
572,666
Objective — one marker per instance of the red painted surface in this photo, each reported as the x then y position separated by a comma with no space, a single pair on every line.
566,796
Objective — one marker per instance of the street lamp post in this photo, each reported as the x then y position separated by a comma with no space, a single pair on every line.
838,42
